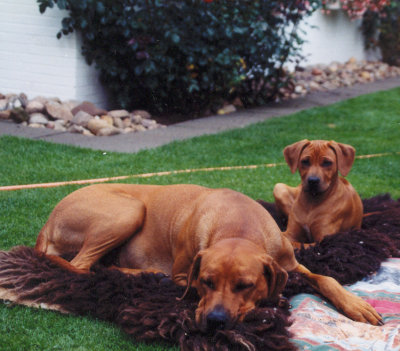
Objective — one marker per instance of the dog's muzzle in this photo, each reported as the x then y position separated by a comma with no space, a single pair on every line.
217,319
313,185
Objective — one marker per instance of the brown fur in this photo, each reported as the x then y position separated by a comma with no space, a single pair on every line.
324,203
218,241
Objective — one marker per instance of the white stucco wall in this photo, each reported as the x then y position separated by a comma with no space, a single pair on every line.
34,61
334,37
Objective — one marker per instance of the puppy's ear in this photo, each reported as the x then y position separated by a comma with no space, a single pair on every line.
292,153
345,156
194,273
275,276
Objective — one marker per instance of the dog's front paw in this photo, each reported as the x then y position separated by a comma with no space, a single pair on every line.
360,310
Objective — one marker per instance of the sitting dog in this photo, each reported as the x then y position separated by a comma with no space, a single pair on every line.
219,241
324,203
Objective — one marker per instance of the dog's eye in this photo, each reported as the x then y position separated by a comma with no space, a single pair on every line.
243,286
305,162
326,163
208,282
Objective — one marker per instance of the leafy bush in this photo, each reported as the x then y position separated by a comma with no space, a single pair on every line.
382,29
189,55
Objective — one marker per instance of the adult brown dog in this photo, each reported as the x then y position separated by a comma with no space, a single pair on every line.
324,203
219,241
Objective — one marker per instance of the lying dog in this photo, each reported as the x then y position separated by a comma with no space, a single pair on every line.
219,241
324,203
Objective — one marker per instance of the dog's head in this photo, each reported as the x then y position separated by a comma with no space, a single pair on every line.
318,162
231,278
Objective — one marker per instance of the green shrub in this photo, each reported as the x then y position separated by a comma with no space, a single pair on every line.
382,30
189,55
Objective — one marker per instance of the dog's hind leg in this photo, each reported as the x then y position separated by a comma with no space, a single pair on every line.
91,227
104,236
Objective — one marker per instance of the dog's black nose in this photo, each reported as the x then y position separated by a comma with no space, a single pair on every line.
313,181
217,319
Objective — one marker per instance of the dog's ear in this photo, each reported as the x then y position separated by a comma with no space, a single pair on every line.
292,153
345,156
194,273
275,276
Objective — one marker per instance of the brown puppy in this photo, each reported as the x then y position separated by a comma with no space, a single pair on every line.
324,203
217,240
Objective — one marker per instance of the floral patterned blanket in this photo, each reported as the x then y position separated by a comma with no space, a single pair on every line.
318,326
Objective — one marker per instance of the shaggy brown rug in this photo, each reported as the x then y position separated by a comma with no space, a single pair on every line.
147,307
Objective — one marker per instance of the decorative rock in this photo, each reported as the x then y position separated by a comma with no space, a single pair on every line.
60,125
71,104
87,132
34,106
3,104
81,118
149,123
60,122
126,122
41,99
75,128
332,68
154,126
136,119
108,119
5,114
226,109
107,131
314,86
51,125
322,78
139,128
141,113
89,108
38,118
128,130
316,72
299,89
119,113
96,124
366,75
19,115
58,111
36,125
352,60
118,123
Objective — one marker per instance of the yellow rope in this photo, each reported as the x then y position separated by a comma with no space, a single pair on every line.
157,174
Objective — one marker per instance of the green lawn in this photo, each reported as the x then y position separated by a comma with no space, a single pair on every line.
370,123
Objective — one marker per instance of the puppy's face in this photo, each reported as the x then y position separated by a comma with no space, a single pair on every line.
317,167
231,278
318,162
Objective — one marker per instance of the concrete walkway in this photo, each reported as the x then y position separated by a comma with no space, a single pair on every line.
134,142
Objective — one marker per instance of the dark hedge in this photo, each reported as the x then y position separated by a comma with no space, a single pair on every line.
187,56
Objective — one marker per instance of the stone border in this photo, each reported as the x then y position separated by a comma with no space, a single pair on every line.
74,117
